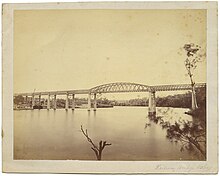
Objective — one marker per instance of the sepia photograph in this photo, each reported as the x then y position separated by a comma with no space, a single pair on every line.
105,84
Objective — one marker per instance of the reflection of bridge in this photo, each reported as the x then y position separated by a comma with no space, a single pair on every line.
112,88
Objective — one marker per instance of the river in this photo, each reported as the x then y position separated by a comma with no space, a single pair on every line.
56,135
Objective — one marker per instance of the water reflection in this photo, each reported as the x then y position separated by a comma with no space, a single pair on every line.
73,112
89,113
32,113
54,113
38,113
94,113
56,134
66,114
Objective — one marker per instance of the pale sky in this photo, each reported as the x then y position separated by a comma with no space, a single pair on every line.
80,49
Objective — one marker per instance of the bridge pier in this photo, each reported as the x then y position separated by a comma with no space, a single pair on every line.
95,102
152,104
44,102
32,102
89,101
48,102
26,100
55,102
40,100
67,102
73,102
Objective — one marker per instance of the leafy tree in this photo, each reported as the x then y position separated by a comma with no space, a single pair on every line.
193,57
18,99
190,134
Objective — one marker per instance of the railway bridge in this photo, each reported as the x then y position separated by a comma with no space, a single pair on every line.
118,87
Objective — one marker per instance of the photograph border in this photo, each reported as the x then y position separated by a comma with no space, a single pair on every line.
75,166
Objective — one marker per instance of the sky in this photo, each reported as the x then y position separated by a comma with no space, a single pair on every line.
80,49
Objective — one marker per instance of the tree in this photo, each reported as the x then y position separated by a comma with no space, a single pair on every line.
18,99
190,135
97,149
193,57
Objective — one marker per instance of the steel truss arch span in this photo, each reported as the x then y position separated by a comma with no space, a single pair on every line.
134,87
120,87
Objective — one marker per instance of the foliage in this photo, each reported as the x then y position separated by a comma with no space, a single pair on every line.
201,98
179,100
183,100
193,57
138,102
191,135
104,101
18,99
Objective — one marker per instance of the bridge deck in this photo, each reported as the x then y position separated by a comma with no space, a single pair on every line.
177,87
85,91
117,88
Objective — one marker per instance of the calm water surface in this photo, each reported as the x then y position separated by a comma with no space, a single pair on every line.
43,134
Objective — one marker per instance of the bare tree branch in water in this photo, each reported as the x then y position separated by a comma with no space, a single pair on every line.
97,149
